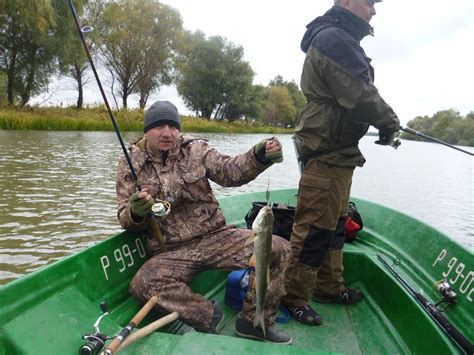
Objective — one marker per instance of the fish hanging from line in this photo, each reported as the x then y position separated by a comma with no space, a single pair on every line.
261,258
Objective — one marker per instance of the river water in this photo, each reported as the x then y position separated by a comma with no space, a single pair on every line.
58,189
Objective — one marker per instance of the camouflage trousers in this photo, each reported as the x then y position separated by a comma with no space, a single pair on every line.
318,233
168,274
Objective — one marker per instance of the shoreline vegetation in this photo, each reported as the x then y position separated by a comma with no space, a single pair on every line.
446,125
97,119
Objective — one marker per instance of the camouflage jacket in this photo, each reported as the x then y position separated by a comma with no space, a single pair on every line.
337,81
183,179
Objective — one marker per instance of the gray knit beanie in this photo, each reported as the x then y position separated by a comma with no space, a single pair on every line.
160,113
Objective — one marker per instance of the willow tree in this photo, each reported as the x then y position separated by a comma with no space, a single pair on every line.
280,109
28,50
214,80
72,59
139,42
297,97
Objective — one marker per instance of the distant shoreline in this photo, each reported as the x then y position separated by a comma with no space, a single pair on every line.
97,119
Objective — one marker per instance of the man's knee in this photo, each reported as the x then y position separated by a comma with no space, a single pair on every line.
137,288
315,247
281,245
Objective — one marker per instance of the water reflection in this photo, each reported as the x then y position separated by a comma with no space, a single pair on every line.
58,189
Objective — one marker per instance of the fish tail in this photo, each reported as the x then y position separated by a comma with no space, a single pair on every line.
259,320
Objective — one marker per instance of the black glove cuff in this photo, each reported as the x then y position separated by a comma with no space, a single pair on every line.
260,155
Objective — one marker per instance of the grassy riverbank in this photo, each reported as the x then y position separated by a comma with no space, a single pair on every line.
97,119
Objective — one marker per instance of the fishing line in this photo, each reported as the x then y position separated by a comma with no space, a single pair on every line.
267,193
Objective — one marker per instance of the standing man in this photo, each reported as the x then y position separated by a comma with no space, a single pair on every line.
177,169
342,102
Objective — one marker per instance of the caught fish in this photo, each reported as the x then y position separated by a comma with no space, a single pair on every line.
263,227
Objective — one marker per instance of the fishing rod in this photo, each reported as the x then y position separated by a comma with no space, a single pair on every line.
419,134
81,31
161,207
95,342
455,335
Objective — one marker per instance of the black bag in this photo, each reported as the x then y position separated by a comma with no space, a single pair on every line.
284,216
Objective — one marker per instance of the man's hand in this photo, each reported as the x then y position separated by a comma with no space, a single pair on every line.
140,203
269,151
388,135
386,139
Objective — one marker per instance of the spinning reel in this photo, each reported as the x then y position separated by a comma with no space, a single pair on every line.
446,291
95,342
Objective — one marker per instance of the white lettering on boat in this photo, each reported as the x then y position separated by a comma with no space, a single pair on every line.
451,264
463,289
119,259
123,257
104,260
140,248
455,270
440,256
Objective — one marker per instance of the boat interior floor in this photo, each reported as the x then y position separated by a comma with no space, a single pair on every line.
356,329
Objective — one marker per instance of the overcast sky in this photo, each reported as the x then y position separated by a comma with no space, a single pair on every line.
423,51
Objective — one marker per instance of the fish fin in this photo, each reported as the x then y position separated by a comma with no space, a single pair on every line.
259,320
251,239
253,261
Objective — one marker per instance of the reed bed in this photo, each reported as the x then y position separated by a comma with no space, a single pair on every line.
97,119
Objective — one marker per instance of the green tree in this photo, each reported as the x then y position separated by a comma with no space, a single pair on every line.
297,97
419,123
256,103
161,47
443,125
446,125
139,38
27,29
280,110
213,77
465,129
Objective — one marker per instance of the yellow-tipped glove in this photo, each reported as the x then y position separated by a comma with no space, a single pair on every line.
269,157
141,207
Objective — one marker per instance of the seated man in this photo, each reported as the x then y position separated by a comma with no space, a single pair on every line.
176,169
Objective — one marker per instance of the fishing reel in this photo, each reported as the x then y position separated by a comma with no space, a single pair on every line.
446,291
161,209
385,140
95,342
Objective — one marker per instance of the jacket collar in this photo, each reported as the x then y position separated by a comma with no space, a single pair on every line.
140,154
340,18
350,23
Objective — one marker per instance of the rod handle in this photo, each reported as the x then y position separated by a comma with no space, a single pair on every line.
114,345
150,328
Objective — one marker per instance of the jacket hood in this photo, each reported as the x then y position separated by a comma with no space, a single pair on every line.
340,18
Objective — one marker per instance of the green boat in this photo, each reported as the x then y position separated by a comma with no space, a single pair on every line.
395,260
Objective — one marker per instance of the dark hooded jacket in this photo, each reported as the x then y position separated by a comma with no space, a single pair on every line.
337,81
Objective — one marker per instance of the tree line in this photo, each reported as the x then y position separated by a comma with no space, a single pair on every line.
447,125
138,46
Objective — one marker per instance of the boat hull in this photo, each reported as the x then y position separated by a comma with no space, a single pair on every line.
51,309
